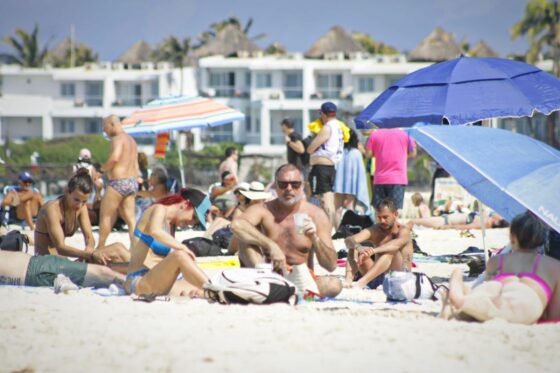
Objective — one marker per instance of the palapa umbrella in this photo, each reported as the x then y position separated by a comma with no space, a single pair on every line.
507,171
179,113
464,90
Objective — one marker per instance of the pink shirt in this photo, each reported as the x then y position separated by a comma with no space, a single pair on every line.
390,148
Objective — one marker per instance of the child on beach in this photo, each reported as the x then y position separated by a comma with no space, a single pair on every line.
423,211
520,287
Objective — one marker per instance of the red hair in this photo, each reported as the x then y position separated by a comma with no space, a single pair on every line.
170,199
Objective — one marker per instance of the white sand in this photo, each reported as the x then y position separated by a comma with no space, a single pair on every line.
41,331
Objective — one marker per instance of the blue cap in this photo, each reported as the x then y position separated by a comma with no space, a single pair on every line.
200,202
328,107
25,176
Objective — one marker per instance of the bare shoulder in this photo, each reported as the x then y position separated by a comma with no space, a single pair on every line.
314,211
404,230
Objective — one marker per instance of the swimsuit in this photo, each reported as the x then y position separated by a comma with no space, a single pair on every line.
67,229
133,278
126,186
532,275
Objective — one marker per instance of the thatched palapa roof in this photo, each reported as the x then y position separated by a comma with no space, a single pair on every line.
60,51
483,50
230,41
336,40
138,53
436,47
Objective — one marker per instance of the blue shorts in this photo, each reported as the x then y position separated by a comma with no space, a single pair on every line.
373,283
393,191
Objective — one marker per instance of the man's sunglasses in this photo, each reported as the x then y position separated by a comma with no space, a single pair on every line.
284,184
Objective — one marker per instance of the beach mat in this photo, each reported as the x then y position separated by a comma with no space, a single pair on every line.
218,264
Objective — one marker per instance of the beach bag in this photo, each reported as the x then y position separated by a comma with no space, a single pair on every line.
201,246
406,286
14,241
222,237
250,286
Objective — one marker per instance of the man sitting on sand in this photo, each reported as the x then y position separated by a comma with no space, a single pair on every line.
267,232
392,251
61,218
23,269
25,199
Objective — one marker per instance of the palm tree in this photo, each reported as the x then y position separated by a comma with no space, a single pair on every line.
216,27
175,51
541,24
29,54
372,46
61,56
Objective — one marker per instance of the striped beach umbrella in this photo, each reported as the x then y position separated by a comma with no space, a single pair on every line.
179,113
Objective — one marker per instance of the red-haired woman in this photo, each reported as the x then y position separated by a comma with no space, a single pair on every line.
155,231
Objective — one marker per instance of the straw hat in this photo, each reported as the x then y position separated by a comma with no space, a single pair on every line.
256,191
242,186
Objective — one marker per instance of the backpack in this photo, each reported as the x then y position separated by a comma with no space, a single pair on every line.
14,241
406,286
201,246
250,286
222,237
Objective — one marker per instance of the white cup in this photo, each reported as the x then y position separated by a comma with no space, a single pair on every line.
299,222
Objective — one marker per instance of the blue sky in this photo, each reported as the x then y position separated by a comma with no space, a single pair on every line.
111,26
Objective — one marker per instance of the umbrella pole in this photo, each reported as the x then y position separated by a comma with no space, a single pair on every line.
180,159
483,230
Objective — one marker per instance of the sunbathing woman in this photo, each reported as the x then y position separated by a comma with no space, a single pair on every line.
155,232
460,221
60,218
520,287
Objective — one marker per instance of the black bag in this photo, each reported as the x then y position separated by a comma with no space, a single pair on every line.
250,286
201,246
222,237
14,241
352,223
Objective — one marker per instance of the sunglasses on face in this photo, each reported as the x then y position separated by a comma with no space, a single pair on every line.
284,184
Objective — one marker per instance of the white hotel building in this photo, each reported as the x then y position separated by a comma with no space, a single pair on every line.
51,103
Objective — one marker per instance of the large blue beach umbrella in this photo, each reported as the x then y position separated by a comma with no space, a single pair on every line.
464,90
507,171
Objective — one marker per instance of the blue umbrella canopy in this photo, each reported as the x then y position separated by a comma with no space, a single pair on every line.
464,90
507,171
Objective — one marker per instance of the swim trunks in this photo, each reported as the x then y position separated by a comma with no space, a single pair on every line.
321,179
42,270
373,283
126,186
393,191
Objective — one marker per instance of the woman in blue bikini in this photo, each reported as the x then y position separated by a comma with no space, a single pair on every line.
155,232
520,287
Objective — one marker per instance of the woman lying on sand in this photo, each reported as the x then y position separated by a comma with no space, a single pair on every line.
460,221
60,218
520,287
155,232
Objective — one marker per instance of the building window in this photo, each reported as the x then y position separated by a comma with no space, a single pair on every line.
293,84
218,133
68,90
223,83
129,94
264,80
94,125
154,88
94,94
329,85
67,126
366,84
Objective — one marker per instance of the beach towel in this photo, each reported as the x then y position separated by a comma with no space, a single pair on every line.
351,177
316,126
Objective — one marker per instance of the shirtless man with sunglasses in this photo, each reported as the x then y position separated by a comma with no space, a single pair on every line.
267,232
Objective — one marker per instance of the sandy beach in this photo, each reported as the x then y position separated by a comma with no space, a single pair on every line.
42,331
